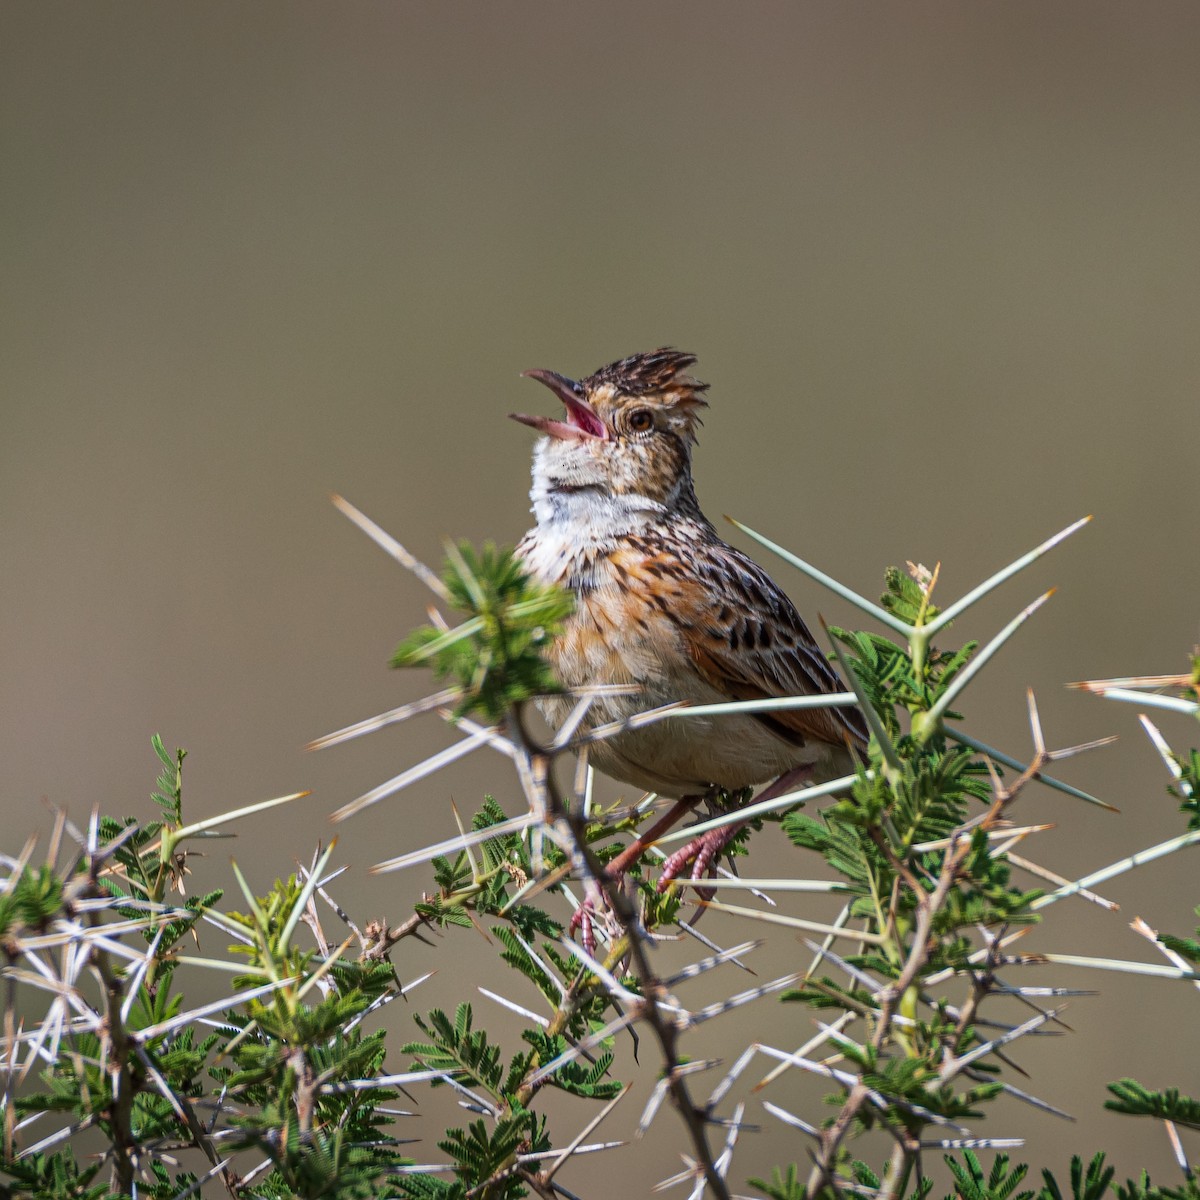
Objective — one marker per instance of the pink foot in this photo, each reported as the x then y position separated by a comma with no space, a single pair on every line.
707,848
581,923
583,919
584,916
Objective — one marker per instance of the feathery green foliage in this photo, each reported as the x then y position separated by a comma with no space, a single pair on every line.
283,1086
495,655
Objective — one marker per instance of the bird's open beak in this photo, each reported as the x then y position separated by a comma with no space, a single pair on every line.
582,421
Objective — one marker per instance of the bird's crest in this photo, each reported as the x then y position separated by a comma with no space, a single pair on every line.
660,375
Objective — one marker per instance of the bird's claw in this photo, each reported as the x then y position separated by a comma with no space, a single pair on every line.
583,920
581,923
702,852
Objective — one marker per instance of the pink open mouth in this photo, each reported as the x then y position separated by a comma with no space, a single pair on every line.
582,421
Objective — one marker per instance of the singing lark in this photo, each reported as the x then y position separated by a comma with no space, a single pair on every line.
666,606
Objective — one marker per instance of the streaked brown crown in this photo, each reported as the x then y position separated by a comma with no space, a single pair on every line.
659,376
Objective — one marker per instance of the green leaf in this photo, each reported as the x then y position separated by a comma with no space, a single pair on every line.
495,656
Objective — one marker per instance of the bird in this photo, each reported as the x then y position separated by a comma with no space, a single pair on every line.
665,608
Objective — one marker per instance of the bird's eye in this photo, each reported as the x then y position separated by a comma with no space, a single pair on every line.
640,420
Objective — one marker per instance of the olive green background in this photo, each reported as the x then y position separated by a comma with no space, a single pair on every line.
941,264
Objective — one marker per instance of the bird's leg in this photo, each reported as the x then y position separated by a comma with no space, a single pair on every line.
619,867
707,848
644,841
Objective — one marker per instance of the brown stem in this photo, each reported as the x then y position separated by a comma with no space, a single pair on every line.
120,1051
630,855
381,939
928,905
904,1154
652,989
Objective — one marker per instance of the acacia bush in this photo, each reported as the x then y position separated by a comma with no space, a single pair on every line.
116,1083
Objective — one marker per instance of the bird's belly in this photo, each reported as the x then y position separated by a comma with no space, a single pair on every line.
608,641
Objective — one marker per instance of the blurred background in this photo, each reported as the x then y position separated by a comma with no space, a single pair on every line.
941,264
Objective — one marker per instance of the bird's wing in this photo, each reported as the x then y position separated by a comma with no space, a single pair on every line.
747,640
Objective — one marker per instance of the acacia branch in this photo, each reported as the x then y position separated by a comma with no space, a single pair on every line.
666,1031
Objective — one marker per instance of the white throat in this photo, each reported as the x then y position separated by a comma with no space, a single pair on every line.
587,513
572,499
578,519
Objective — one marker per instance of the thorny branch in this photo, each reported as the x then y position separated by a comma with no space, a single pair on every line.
909,892
929,904
122,1049
666,1031
907,913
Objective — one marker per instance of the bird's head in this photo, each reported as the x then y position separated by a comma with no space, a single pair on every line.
627,430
